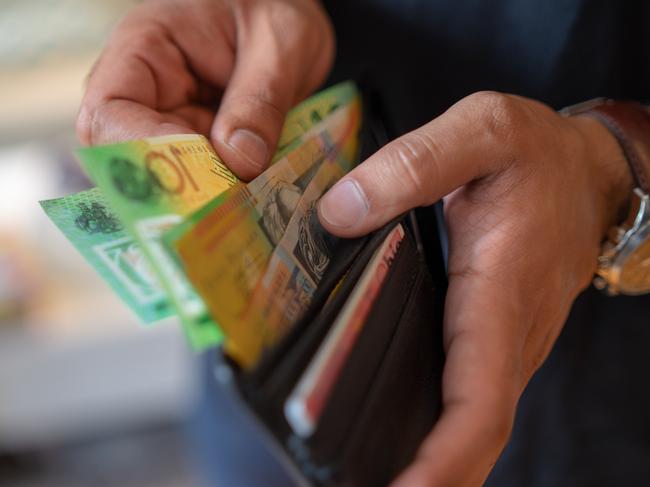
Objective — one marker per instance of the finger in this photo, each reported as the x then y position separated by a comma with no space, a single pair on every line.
269,77
136,87
120,120
464,144
481,384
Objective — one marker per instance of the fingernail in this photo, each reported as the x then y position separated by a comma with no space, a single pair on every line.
249,145
344,205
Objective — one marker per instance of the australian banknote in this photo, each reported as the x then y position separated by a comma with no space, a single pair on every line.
151,185
141,182
297,264
97,233
226,247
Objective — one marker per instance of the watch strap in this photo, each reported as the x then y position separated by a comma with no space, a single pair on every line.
629,123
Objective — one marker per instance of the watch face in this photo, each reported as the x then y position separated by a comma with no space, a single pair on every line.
635,272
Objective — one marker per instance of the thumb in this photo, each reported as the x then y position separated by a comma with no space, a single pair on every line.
418,168
481,385
262,88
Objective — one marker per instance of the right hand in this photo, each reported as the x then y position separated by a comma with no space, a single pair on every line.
227,69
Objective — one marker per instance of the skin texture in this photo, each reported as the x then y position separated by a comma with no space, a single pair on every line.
529,195
171,66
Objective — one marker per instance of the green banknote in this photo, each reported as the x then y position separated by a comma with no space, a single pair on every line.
96,232
312,111
152,184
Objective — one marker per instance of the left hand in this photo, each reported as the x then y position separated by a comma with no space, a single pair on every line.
529,196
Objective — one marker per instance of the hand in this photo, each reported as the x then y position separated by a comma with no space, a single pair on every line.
529,196
171,66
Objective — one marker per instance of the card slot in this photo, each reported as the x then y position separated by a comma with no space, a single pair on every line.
401,403
433,233
405,399
357,375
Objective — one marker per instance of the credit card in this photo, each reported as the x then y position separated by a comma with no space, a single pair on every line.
305,404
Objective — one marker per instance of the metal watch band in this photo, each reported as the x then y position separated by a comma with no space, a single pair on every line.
629,123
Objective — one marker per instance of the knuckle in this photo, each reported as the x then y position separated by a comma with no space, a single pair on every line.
86,124
83,125
414,160
285,14
90,125
148,38
263,104
500,112
298,15
243,4
502,116
276,16
141,29
310,31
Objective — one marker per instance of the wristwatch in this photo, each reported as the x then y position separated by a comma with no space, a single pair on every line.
624,264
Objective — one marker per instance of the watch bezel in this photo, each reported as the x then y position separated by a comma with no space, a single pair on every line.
627,239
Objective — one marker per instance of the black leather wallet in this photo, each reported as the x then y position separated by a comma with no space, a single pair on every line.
387,395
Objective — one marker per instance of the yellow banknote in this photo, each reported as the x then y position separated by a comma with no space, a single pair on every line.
295,268
226,250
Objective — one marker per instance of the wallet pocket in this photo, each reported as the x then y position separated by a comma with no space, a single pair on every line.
359,371
387,396
404,400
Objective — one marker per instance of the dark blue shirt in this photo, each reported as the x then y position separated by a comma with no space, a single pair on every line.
424,55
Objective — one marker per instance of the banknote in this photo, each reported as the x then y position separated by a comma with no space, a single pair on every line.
164,170
226,246
274,191
151,185
88,222
295,268
305,404
311,112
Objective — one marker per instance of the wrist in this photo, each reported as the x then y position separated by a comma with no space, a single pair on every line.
613,178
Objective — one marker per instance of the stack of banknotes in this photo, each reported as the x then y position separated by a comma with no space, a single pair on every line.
174,232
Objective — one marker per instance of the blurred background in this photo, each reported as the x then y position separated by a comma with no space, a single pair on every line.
88,396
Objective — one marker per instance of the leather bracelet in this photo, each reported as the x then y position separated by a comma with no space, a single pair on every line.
629,123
